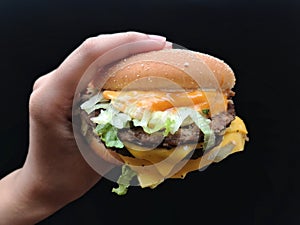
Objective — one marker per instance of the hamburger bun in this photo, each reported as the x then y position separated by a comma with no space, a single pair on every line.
176,65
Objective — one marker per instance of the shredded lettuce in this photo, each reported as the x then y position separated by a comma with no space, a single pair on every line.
124,180
97,106
109,134
168,125
203,124
113,117
94,103
110,120
152,122
170,122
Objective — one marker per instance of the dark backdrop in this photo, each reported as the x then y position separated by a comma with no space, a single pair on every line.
258,39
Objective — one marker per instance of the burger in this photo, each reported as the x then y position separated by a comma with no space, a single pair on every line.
161,115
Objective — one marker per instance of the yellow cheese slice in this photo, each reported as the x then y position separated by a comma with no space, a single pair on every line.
237,125
233,141
154,166
164,160
135,103
147,174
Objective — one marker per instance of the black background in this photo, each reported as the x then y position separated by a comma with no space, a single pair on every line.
258,39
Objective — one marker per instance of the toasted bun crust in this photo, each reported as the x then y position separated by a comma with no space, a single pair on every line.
187,69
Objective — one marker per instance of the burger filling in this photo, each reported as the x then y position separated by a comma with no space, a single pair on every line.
132,122
119,124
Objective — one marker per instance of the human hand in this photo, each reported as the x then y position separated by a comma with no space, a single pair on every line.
55,173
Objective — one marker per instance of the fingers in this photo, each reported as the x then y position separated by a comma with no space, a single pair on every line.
70,71
102,163
168,45
94,70
42,80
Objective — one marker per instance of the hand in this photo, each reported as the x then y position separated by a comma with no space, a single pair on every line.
55,172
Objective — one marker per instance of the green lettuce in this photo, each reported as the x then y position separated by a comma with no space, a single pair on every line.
95,102
109,135
110,120
170,122
124,180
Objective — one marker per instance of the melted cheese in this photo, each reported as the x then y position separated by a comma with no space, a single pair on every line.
154,166
163,159
233,141
147,174
161,101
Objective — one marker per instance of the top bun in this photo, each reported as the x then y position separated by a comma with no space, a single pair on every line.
181,68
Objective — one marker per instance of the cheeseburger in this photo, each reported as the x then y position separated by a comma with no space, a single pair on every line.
162,114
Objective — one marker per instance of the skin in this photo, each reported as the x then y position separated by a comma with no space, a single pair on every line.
55,173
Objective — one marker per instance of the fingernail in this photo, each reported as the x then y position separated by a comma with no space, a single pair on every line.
157,37
168,45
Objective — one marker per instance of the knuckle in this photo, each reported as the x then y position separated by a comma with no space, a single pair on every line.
35,106
47,107
40,109
88,45
38,82
131,36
